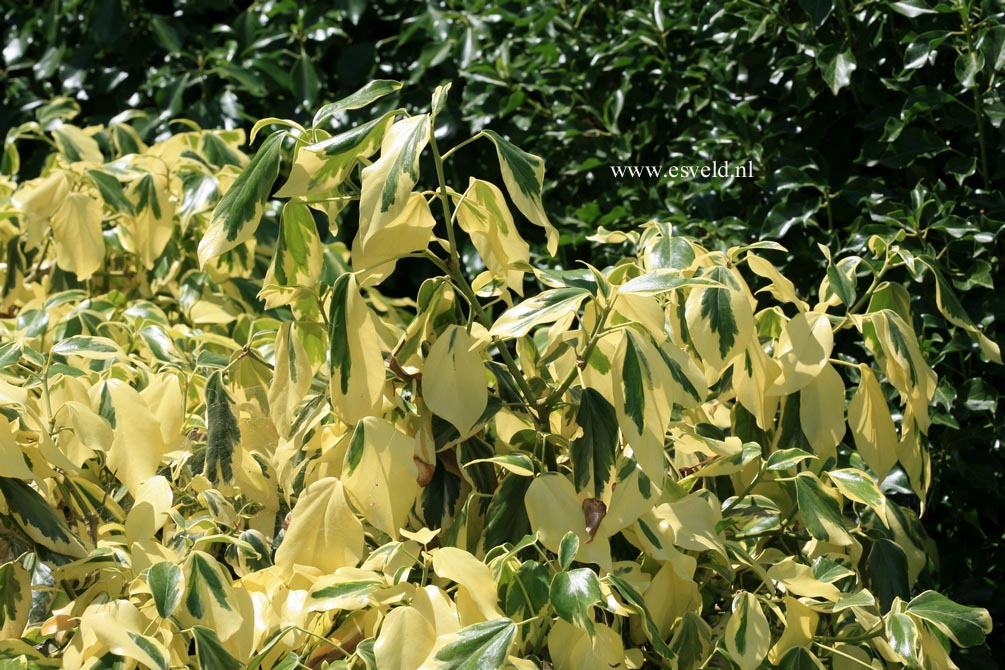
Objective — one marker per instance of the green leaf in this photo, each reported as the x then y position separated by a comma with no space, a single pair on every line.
902,634
818,10
858,486
88,346
593,453
967,626
572,595
922,50
527,592
343,595
568,549
783,459
842,279
298,259
911,8
523,175
223,433
305,77
211,652
836,67
38,519
338,332
885,570
506,518
634,375
545,307
482,646
111,190
239,212
10,354
819,511
692,642
661,281
800,658
165,582
370,93
667,252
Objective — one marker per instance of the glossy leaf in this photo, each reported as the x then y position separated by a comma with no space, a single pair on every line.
481,646
573,594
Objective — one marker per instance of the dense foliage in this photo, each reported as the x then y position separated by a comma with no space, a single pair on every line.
666,462
862,118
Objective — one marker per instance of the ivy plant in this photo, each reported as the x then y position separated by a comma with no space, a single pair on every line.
225,447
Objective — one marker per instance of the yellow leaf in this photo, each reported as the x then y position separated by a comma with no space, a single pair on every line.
753,375
76,230
13,395
380,475
935,653
298,258
693,520
150,509
77,145
388,181
164,398
798,579
477,599
292,378
482,213
320,168
12,462
455,385
405,640
374,257
148,232
800,626
89,433
643,401
209,598
670,596
554,509
358,373
915,459
38,199
323,532
905,365
437,607
860,658
572,648
872,425
136,425
802,351
119,626
821,411
780,287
